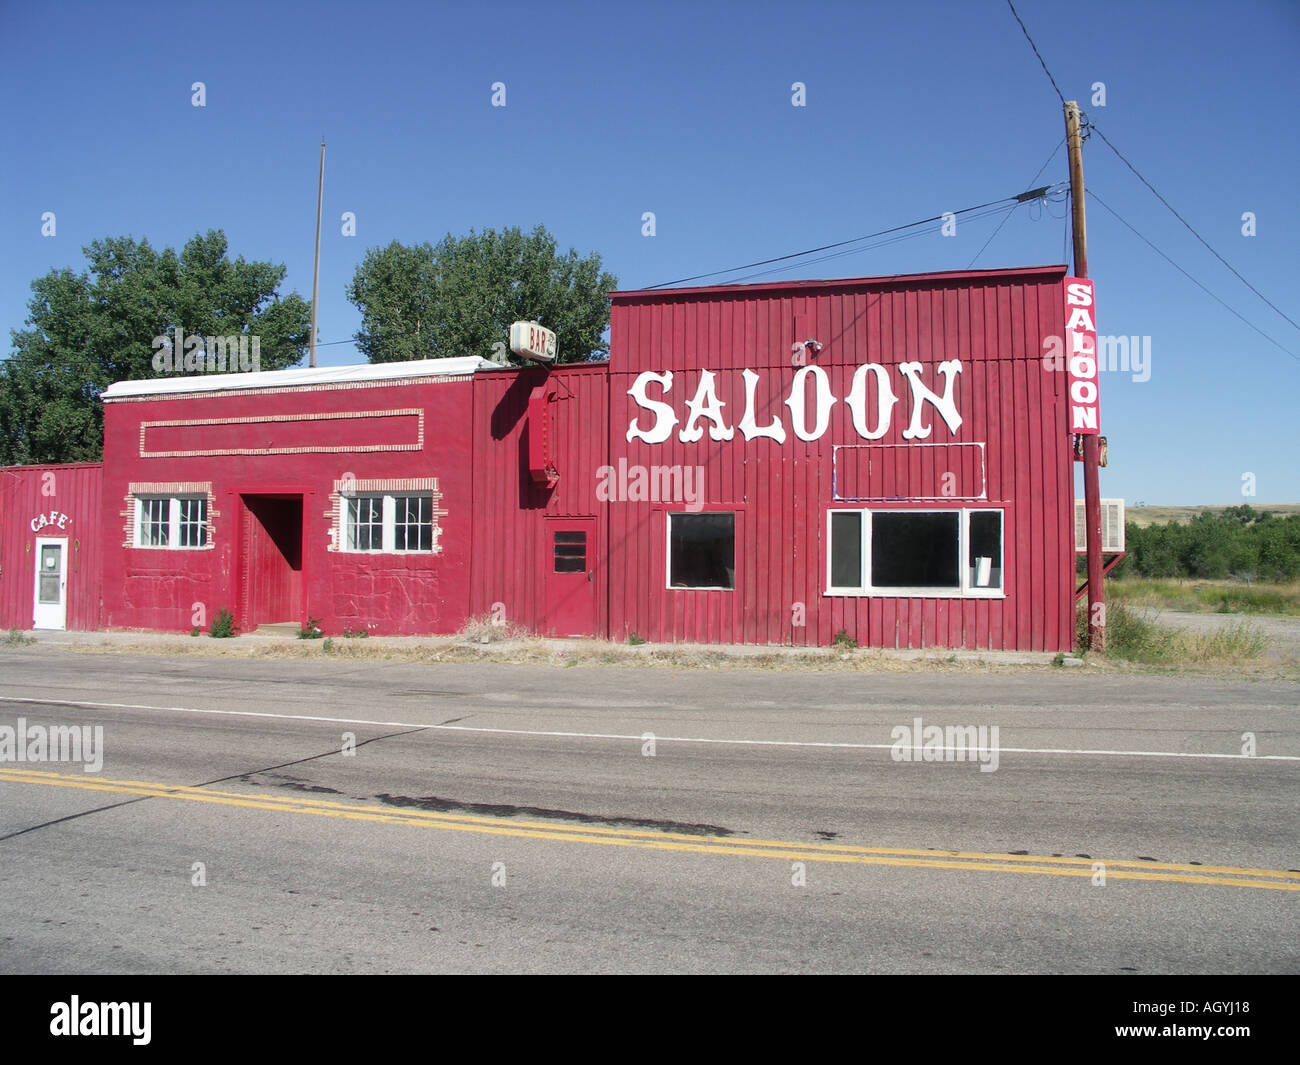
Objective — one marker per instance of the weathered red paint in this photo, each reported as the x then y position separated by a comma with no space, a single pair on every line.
527,459
994,322
257,568
28,493
512,550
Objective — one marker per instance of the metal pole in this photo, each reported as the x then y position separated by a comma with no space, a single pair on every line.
1091,483
315,278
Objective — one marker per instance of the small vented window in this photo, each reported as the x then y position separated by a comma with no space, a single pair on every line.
570,552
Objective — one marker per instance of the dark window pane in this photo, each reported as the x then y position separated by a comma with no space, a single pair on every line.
365,523
846,550
915,550
985,549
702,550
413,523
570,552
194,513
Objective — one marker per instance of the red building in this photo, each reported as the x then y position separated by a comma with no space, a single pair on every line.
51,538
774,463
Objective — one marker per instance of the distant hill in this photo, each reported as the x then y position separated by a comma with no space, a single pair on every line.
1144,516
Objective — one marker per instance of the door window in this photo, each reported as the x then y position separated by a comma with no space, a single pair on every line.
570,552
51,557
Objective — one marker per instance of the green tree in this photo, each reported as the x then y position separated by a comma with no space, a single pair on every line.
458,297
1279,549
86,330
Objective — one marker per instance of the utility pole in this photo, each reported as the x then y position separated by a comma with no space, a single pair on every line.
315,278
1091,484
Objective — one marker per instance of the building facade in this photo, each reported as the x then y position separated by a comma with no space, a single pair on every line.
889,458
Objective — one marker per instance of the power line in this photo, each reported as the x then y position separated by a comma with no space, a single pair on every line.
1035,178
1036,52
1193,232
1120,155
854,240
1010,212
895,239
1190,278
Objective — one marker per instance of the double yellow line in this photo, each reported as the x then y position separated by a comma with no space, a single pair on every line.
1223,876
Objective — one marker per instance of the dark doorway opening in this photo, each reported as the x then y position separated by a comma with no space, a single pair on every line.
271,584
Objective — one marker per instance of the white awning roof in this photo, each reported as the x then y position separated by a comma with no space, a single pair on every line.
319,375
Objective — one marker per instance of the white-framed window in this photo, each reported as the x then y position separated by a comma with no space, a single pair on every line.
176,522
413,523
702,550
949,553
393,523
364,523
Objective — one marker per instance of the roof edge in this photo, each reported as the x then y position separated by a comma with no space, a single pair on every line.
833,284
297,377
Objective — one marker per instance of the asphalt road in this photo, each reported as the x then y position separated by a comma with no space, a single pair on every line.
500,818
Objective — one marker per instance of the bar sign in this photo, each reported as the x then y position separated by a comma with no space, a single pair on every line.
1081,346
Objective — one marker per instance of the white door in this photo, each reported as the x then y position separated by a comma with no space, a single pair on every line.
50,609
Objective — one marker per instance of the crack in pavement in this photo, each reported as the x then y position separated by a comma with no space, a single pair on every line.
208,783
439,805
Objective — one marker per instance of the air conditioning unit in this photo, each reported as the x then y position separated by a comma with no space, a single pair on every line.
1112,527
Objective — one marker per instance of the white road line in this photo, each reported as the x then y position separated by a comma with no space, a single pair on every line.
637,738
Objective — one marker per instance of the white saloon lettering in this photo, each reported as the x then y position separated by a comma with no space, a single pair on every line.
1081,329
807,425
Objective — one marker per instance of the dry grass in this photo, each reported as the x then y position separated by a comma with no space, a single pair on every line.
1132,635
483,628
584,654
1144,516
1219,597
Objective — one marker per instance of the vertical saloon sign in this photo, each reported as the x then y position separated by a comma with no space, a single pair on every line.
1081,349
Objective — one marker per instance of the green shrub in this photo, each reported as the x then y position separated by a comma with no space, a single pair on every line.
635,640
223,625
843,639
1132,634
1135,636
311,629
1239,541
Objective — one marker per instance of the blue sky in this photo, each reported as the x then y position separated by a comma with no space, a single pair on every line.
684,109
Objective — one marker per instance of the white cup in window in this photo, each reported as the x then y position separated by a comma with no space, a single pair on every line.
983,568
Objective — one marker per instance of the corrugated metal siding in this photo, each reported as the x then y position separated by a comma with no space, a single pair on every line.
29,491
1012,452
509,541
994,324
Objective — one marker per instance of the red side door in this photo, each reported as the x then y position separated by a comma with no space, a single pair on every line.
570,577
